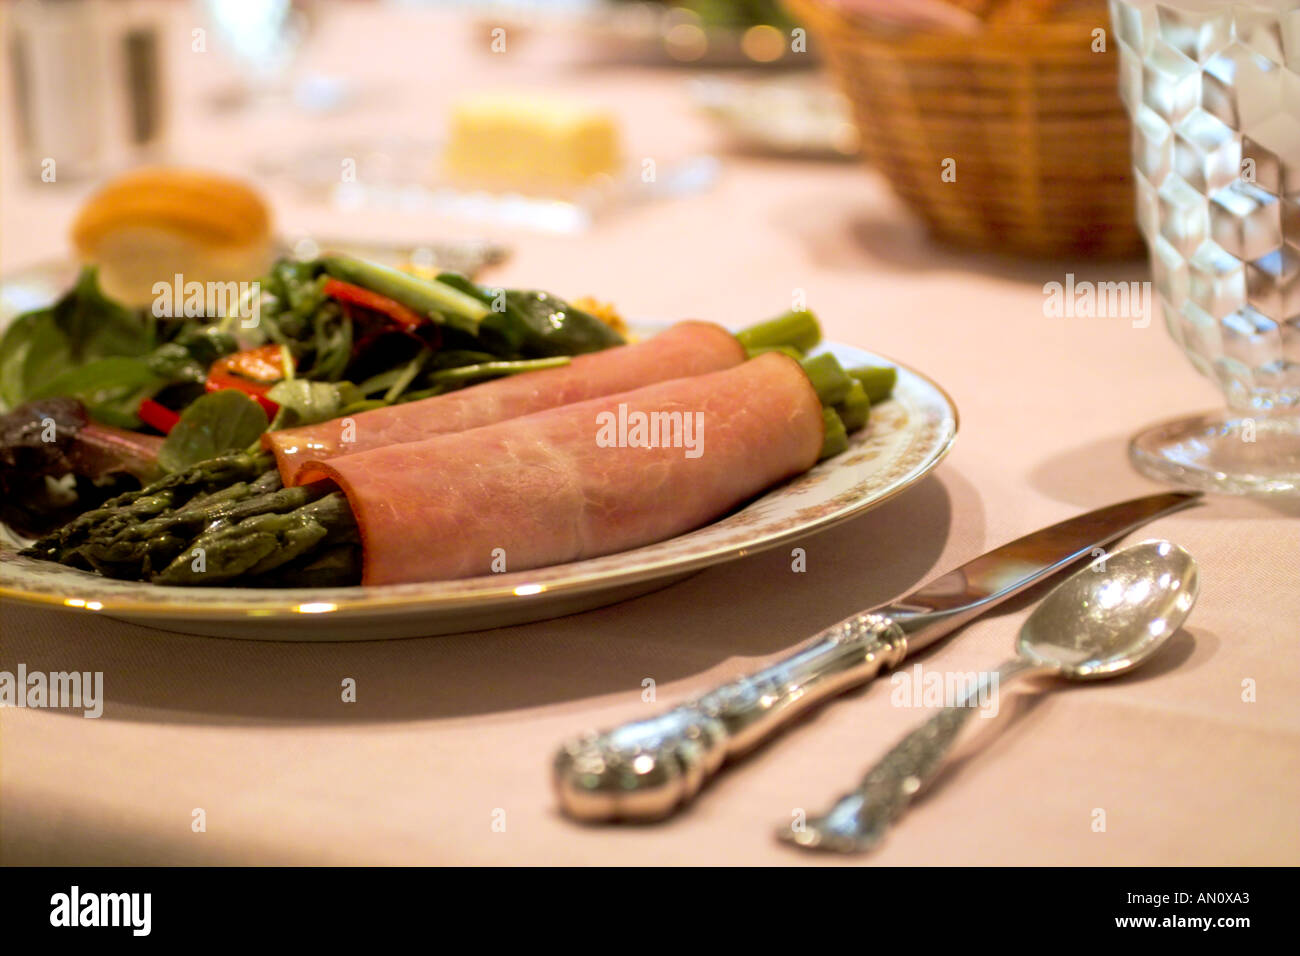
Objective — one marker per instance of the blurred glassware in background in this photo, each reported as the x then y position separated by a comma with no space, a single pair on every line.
264,35
798,115
265,38
1214,93
88,85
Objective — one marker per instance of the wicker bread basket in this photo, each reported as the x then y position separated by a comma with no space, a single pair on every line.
1030,114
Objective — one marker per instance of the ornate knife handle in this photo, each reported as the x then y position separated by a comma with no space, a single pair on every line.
859,820
645,769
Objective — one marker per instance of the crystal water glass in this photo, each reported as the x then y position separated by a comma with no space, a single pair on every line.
1213,90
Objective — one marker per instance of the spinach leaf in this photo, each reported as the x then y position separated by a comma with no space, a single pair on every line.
533,324
173,363
552,326
96,326
465,284
306,403
294,291
49,353
14,348
302,283
206,343
84,326
110,388
213,425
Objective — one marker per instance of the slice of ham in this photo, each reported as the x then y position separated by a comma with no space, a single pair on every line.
547,489
688,348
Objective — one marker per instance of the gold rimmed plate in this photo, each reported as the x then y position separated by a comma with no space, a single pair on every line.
905,440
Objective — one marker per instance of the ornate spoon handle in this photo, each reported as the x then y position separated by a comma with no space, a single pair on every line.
859,819
644,770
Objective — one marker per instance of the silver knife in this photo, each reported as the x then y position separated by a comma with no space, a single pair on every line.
647,769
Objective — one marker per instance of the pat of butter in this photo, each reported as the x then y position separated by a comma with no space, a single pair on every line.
528,141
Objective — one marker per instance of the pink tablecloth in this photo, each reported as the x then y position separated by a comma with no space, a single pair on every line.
450,735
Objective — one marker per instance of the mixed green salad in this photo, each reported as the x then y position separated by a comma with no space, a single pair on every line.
101,397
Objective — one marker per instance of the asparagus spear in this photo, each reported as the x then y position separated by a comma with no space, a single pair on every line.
877,381
335,566
855,408
799,330
836,439
153,499
828,377
229,551
138,552
260,543
197,508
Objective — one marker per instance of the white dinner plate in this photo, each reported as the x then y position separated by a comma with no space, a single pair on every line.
905,439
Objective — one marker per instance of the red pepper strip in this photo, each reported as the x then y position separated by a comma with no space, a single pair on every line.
157,416
252,372
403,315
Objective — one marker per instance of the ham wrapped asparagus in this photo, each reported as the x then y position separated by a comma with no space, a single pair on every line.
688,348
581,480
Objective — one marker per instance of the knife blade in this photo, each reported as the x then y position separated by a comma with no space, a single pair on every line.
648,769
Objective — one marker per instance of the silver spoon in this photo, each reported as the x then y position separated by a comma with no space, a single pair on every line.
1101,621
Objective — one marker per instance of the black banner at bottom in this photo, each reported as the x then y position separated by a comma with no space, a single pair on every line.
924,905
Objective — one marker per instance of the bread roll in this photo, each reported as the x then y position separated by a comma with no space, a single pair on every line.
151,224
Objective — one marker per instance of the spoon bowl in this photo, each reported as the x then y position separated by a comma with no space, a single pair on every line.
1114,614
